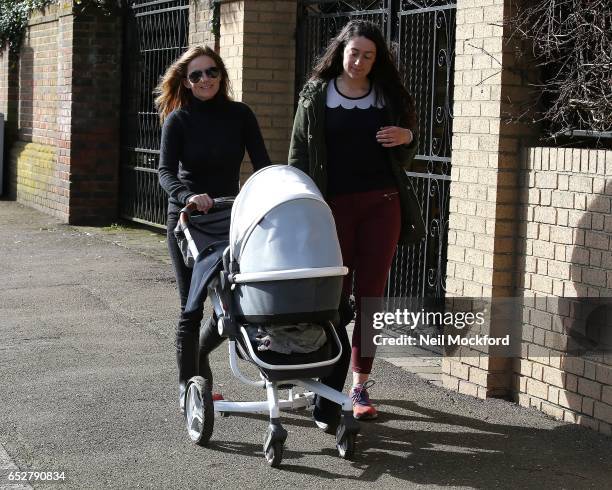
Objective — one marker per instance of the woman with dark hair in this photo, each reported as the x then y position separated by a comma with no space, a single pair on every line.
204,137
354,135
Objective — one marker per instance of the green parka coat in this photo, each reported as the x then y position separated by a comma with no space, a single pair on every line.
308,153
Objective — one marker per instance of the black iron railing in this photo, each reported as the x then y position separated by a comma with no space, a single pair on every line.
156,33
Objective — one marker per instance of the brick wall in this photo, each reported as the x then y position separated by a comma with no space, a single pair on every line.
65,156
64,100
38,79
268,78
257,43
483,205
565,261
35,177
95,118
231,43
200,23
536,227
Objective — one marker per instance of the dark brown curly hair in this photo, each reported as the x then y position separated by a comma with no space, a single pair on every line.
384,75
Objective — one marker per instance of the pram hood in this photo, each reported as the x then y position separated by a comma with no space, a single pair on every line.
282,228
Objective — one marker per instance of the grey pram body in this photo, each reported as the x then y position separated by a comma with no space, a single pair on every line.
284,253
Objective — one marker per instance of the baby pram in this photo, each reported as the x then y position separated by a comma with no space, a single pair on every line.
281,266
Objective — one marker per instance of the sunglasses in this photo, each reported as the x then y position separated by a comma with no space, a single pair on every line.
196,75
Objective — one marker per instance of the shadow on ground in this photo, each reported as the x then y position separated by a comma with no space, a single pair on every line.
421,445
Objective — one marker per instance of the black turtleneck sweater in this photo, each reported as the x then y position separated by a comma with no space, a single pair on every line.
202,147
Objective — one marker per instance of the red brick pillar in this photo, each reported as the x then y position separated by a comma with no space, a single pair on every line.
96,104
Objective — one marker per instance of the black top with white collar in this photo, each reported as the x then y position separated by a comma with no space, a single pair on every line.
356,161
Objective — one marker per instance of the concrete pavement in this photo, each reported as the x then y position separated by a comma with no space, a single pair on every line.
88,387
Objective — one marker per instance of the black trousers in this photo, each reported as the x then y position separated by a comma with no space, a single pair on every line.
326,410
195,343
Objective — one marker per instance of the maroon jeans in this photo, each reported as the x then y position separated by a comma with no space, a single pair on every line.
368,225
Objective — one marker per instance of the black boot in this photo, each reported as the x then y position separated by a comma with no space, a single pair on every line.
209,341
187,334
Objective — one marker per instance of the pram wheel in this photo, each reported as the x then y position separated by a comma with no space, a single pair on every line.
274,442
199,411
274,454
345,443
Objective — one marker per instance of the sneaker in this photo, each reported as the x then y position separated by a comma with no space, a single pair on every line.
328,428
324,424
362,406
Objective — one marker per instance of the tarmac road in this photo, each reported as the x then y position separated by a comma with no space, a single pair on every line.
88,388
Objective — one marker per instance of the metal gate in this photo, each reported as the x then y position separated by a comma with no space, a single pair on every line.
422,36
155,34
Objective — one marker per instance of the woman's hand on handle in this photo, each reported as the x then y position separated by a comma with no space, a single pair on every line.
390,136
203,201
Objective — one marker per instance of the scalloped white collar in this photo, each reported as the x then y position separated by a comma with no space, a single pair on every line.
335,99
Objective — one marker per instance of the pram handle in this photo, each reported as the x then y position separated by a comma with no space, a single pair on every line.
218,203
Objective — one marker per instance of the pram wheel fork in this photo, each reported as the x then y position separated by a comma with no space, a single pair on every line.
346,434
273,448
276,435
